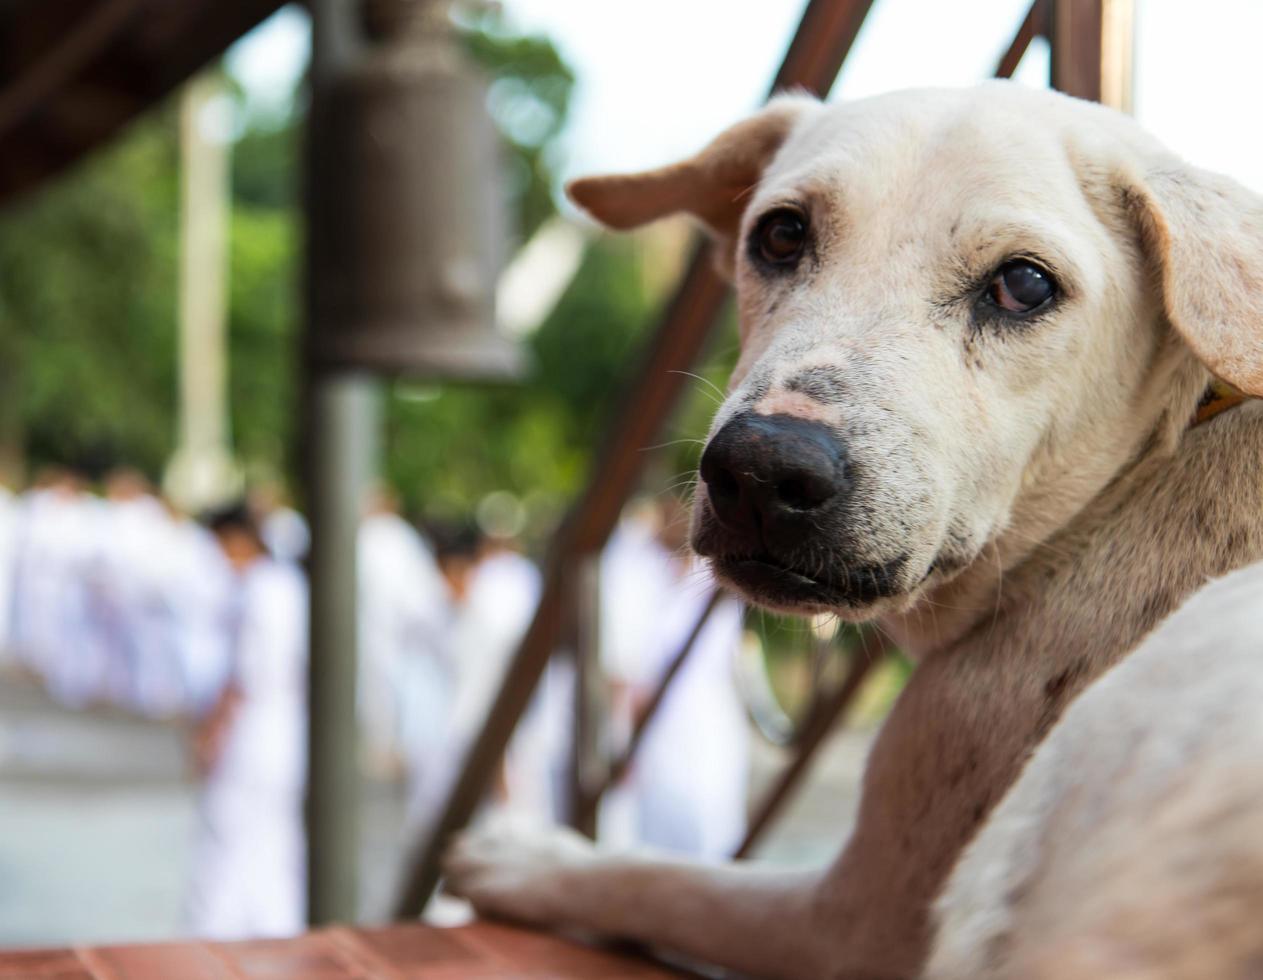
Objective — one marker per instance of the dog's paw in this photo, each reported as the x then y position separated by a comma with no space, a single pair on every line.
515,873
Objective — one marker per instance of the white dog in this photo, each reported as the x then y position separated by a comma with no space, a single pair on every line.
977,329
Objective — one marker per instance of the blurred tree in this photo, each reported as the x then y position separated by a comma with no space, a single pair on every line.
87,309
265,165
87,280
528,99
450,446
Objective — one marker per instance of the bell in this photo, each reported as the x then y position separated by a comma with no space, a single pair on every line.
409,250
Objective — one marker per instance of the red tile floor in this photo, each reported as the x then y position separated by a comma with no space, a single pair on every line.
403,952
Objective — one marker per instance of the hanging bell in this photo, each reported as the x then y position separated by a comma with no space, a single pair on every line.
409,230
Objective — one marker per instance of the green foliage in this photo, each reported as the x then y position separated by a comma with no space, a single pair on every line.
263,321
87,308
265,167
448,447
88,316
529,95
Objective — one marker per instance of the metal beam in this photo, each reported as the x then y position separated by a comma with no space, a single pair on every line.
1092,43
1034,25
588,806
824,37
824,715
1075,32
591,706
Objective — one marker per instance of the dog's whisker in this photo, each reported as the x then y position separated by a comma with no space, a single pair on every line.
685,441
714,388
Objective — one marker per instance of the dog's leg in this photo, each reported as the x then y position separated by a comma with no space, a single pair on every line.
754,919
950,747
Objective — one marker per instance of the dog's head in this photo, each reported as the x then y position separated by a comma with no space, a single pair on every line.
962,312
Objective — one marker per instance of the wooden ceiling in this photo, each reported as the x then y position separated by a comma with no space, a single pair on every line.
75,72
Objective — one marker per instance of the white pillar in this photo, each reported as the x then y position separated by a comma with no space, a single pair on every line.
202,472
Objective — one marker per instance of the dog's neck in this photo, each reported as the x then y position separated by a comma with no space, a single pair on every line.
1205,465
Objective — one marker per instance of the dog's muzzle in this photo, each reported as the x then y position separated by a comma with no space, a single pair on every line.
778,491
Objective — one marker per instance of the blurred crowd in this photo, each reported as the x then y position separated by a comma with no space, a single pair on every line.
115,597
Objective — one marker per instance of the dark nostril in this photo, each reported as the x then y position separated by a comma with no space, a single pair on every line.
792,493
803,491
723,484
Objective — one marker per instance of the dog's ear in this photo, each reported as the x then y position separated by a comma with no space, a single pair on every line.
1204,233
712,186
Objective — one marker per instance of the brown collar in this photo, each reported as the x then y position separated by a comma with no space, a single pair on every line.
1220,396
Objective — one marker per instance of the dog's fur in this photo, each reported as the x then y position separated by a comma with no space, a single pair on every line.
1038,502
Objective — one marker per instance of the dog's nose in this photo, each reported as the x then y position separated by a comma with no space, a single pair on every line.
761,470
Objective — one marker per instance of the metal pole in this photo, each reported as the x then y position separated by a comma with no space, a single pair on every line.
587,762
343,424
340,456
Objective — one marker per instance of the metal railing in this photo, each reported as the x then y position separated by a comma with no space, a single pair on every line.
1088,45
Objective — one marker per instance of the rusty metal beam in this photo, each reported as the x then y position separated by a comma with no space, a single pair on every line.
824,37
587,761
1075,32
816,727
1092,43
1034,25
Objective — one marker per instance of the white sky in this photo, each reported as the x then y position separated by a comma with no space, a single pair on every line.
658,78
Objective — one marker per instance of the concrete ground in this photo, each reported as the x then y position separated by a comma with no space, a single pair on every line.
97,818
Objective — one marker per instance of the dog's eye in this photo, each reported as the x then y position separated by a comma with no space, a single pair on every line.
1020,287
780,237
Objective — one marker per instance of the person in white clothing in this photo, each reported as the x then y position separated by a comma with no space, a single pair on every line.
200,587
53,627
134,607
688,781
493,590
503,593
433,748
284,530
250,864
403,610
10,511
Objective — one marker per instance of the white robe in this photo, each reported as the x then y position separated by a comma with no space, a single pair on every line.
403,683
54,625
286,534
200,588
142,568
689,778
484,634
250,862
10,510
